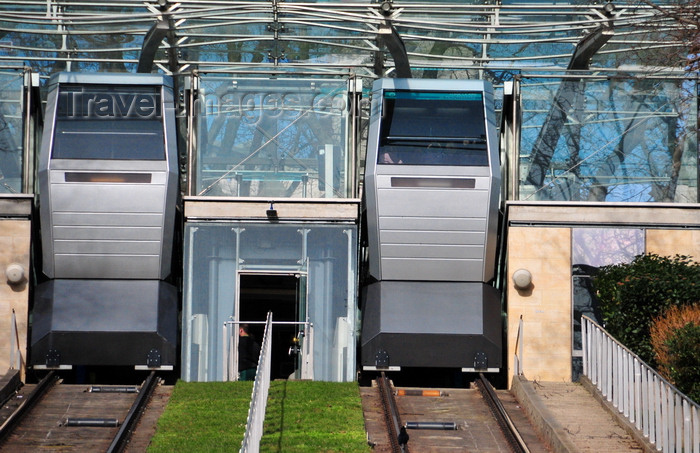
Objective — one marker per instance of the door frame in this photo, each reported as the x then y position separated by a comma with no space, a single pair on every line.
304,330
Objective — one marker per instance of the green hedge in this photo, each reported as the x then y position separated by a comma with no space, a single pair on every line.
684,363
631,295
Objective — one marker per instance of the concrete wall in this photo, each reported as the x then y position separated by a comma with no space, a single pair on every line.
539,240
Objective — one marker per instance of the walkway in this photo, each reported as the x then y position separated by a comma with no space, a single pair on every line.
573,419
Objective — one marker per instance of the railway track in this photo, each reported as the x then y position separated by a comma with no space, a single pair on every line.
57,417
452,419
515,440
392,417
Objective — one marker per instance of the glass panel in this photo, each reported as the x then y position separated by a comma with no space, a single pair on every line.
630,140
534,33
433,128
591,249
271,245
597,247
332,301
209,294
586,304
11,131
576,368
282,138
214,254
115,123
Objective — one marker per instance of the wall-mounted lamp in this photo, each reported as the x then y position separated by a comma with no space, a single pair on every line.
522,278
272,212
14,273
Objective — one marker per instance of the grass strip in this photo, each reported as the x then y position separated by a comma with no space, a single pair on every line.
302,416
203,417
306,416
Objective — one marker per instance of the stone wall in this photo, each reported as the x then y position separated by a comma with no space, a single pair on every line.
546,306
14,296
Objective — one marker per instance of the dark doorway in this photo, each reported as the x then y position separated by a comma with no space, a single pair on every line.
278,293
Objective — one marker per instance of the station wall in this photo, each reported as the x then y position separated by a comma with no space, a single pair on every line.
541,240
15,233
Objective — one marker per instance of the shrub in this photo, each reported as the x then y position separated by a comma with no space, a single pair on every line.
663,329
684,358
631,295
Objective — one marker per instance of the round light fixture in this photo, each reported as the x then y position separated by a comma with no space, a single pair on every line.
522,278
14,273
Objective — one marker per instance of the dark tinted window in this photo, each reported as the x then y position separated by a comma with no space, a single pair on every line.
107,122
433,128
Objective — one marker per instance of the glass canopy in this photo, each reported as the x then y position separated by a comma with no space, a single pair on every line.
608,89
459,37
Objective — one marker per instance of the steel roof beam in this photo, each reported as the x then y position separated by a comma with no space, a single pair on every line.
150,46
388,37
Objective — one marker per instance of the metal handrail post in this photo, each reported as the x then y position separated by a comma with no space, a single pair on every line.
518,359
15,352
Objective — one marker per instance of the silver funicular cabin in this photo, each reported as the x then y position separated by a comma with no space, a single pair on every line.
108,190
432,193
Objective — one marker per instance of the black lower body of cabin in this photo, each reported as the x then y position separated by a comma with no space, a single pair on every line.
431,324
105,323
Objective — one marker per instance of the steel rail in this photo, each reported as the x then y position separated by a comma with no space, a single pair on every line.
391,413
504,421
41,389
121,439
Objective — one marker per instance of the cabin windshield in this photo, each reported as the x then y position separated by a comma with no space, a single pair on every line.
109,122
433,128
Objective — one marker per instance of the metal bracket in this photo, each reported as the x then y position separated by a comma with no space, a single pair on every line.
153,360
276,27
481,361
381,359
53,358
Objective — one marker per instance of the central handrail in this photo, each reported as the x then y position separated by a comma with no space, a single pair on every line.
230,352
258,399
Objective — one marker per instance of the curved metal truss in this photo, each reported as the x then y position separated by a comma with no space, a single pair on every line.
331,37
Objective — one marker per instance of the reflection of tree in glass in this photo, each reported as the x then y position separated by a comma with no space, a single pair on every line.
604,246
622,140
593,248
276,138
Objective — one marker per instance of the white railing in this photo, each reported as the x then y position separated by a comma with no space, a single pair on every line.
668,418
258,399
518,359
